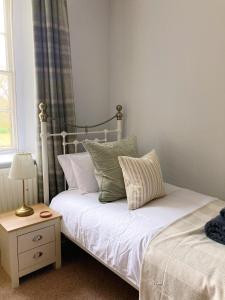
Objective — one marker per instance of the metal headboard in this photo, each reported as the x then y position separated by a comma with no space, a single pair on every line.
45,135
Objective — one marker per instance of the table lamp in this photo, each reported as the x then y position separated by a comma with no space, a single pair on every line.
23,168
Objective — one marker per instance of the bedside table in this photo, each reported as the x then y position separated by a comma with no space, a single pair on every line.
29,243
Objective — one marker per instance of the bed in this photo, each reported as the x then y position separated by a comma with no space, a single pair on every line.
123,240
116,236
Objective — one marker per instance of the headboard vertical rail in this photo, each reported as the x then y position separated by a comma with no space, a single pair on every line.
106,135
64,141
75,146
119,117
44,151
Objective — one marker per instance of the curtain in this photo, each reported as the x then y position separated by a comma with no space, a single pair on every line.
54,82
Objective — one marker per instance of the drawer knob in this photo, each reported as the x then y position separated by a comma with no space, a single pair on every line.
37,254
37,238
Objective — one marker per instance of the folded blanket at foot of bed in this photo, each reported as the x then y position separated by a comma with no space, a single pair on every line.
182,263
215,228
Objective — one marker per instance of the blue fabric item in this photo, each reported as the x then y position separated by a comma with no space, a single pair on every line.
222,213
215,229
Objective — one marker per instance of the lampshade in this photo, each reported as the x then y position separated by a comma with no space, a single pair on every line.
22,166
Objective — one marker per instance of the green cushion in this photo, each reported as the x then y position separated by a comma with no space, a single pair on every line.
107,169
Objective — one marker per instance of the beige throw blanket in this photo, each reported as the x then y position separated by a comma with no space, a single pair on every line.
181,263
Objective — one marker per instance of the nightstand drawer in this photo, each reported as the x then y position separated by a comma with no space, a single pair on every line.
35,238
43,254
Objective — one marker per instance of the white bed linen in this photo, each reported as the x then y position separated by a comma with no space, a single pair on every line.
116,235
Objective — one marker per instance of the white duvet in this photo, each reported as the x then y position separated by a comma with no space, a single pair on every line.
116,235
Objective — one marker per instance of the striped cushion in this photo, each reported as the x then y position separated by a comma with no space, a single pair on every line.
143,179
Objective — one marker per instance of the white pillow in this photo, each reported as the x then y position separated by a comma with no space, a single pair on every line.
65,163
83,169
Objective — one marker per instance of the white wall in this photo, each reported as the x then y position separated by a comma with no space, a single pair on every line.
167,67
89,33
165,62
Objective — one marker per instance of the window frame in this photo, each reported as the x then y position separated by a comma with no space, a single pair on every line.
10,73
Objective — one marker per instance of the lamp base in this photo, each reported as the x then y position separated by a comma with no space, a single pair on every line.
24,211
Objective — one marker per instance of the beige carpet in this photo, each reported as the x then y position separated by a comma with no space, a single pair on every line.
81,277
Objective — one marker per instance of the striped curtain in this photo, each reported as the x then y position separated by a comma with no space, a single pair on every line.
54,81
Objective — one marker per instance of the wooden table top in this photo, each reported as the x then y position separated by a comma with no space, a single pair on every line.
10,222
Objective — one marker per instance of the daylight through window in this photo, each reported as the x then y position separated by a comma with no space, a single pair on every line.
7,101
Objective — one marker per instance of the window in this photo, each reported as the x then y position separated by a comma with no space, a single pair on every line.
7,101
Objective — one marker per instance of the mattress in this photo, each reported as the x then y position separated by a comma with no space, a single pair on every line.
117,236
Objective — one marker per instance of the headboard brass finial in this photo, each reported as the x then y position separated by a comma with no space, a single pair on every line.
119,114
43,116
